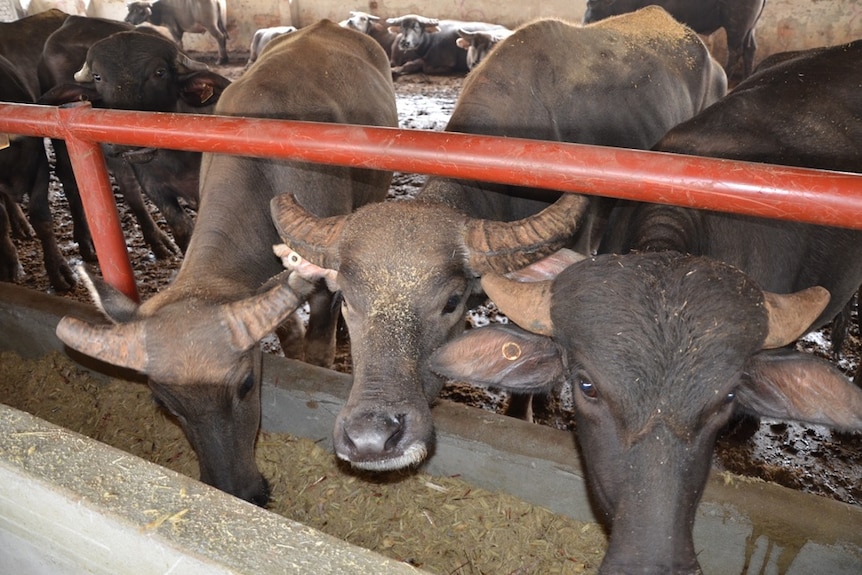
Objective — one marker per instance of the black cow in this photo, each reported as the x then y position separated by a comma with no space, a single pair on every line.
432,44
400,304
661,346
197,339
181,16
737,17
136,69
24,171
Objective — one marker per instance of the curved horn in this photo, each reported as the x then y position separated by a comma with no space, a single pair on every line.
251,319
528,304
791,315
84,74
124,345
500,247
185,64
313,237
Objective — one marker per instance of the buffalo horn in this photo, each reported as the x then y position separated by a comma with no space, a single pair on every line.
186,64
313,237
791,315
501,247
251,319
528,304
123,345
84,75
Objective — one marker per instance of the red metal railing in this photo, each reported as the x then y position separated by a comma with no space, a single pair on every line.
814,196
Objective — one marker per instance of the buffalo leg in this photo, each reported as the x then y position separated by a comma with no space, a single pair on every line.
59,272
18,225
159,242
81,230
9,265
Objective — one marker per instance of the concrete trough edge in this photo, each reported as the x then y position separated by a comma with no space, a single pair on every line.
742,525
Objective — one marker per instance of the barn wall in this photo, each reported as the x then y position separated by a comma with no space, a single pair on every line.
785,24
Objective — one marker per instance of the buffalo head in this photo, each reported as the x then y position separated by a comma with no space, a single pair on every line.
405,271
205,370
412,29
361,21
144,71
660,349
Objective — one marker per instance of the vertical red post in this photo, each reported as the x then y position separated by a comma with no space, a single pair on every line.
91,172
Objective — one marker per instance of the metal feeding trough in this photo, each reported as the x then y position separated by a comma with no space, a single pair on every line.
70,504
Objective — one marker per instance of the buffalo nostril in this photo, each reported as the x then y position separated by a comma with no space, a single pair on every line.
372,435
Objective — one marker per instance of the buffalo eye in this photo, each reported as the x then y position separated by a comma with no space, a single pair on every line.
160,73
586,387
730,397
246,386
451,303
97,77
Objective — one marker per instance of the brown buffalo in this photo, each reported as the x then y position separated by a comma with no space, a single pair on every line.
407,269
197,340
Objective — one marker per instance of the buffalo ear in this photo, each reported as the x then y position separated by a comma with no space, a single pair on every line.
506,357
116,306
202,88
789,385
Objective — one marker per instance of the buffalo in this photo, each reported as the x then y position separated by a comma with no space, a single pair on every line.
197,340
115,65
24,172
431,44
401,304
679,323
737,17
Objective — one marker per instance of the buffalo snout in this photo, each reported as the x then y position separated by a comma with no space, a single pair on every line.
382,440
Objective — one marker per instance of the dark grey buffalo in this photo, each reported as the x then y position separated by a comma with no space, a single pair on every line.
197,339
24,172
141,70
661,347
407,269
431,44
21,42
737,17
181,16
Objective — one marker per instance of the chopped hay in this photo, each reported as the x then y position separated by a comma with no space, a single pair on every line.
440,524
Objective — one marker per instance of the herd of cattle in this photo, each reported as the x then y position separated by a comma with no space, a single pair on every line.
664,320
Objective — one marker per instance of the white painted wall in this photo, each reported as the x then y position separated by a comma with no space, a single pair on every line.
785,24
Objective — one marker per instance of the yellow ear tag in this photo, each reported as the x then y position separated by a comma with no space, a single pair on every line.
511,350
4,141
207,93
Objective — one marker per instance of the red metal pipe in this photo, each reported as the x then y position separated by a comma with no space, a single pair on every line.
88,163
815,196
